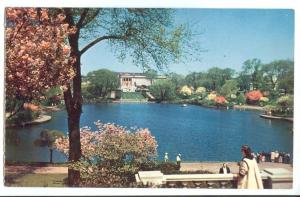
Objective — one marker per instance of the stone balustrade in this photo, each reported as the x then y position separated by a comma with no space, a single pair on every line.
273,178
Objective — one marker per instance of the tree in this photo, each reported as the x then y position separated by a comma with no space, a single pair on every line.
195,80
217,77
47,138
275,71
148,36
230,87
163,90
285,103
151,74
251,74
36,54
101,82
287,82
177,79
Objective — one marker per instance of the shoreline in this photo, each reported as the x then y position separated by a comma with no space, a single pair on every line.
290,119
248,107
41,119
241,107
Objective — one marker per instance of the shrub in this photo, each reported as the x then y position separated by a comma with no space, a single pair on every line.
185,91
253,96
200,90
211,96
220,100
241,99
168,168
112,154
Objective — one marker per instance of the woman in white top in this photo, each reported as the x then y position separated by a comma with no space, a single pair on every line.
249,175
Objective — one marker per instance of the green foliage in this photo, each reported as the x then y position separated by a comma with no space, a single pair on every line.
163,90
279,72
148,36
177,79
151,74
52,96
218,76
100,83
23,116
285,102
213,79
168,168
132,96
241,99
229,88
12,104
36,180
48,137
251,74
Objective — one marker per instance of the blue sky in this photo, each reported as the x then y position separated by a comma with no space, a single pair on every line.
229,36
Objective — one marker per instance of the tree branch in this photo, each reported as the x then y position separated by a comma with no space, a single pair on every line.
82,18
99,40
91,18
69,17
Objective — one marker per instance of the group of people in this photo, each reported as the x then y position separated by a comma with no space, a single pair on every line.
249,176
178,158
273,156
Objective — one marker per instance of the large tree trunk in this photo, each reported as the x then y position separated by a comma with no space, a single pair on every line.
73,102
74,147
73,106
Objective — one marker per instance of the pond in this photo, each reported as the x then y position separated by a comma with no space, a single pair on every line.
197,133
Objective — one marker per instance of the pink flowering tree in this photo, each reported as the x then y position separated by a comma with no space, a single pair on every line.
111,155
37,56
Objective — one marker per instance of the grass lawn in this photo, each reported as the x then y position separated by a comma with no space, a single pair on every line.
36,180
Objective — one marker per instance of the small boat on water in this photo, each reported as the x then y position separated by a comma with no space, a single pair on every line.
183,105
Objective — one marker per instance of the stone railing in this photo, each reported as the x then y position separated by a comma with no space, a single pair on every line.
276,178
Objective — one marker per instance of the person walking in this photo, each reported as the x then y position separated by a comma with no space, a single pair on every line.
224,169
249,176
166,157
178,160
272,156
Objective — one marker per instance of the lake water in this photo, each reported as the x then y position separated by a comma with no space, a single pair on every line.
199,134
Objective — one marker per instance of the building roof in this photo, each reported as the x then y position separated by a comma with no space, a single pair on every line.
130,74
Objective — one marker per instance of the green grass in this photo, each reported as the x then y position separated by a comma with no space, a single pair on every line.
36,180
132,95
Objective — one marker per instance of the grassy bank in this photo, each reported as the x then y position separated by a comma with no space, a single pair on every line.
36,180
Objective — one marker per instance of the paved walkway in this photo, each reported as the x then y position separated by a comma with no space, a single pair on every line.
210,166
215,166
248,107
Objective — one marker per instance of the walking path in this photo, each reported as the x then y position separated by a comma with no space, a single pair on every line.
251,107
210,166
215,166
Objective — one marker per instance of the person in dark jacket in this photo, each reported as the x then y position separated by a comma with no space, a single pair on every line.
224,169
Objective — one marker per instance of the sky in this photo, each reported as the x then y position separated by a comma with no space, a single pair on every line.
228,38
